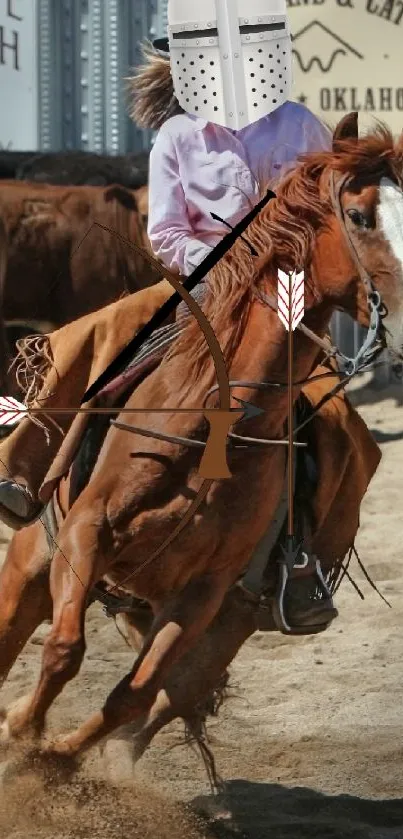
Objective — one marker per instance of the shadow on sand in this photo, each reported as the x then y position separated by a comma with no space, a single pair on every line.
369,393
386,436
271,811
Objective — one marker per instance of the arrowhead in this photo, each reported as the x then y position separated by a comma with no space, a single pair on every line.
250,410
291,552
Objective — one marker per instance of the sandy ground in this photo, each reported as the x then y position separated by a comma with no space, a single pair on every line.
310,742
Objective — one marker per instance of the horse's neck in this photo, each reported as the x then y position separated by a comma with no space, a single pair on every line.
263,357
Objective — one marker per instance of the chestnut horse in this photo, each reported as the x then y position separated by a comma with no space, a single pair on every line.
338,216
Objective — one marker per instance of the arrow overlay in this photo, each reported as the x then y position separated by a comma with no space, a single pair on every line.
11,411
250,409
290,310
291,299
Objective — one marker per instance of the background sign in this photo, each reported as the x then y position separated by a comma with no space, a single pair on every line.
348,56
18,75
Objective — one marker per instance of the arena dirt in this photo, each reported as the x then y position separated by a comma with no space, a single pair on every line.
309,742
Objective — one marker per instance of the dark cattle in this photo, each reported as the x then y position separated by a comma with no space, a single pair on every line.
75,168
45,273
10,161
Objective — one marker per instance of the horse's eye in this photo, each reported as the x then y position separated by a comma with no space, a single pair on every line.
357,218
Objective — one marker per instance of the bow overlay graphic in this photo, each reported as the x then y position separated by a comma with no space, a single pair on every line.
214,464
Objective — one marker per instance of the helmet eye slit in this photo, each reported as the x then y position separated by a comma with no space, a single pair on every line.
255,29
194,34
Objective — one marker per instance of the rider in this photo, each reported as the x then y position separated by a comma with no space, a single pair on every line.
218,91
233,133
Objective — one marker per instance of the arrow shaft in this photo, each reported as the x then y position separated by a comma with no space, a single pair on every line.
290,427
120,410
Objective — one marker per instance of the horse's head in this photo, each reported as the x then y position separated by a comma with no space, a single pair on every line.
365,178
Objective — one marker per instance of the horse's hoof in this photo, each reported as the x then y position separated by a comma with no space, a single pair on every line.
119,762
58,747
15,723
51,764
9,770
5,733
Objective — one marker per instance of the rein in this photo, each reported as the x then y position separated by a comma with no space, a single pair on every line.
348,367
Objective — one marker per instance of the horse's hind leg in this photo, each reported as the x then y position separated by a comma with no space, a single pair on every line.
176,629
191,688
25,600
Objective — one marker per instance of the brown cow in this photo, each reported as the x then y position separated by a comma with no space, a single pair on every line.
50,270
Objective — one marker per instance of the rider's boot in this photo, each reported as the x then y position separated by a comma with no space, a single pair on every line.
25,457
307,606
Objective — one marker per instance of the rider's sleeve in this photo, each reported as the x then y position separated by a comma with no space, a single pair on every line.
308,134
315,136
169,229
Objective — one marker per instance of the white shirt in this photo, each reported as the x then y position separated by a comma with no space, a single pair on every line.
198,167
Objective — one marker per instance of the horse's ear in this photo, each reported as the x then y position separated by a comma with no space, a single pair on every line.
347,129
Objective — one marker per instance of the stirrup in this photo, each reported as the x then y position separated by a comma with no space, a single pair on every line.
325,606
17,522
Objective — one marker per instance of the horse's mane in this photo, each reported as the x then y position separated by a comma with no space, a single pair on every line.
283,235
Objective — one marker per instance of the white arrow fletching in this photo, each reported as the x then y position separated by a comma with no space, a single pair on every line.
290,299
11,411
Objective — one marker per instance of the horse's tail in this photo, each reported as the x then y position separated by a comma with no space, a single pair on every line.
126,219
4,349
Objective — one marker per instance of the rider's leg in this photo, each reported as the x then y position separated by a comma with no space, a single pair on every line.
346,458
78,353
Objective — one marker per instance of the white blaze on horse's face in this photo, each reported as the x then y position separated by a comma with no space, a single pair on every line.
390,222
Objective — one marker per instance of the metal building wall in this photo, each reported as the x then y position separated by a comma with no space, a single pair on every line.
162,18
86,49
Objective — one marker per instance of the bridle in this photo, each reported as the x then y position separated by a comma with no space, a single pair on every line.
375,339
347,367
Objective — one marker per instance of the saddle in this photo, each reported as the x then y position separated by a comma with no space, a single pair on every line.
293,600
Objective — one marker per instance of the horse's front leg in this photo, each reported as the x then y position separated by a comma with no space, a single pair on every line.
71,577
25,600
176,629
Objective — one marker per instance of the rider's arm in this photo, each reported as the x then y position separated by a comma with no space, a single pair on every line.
315,136
169,229
299,132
